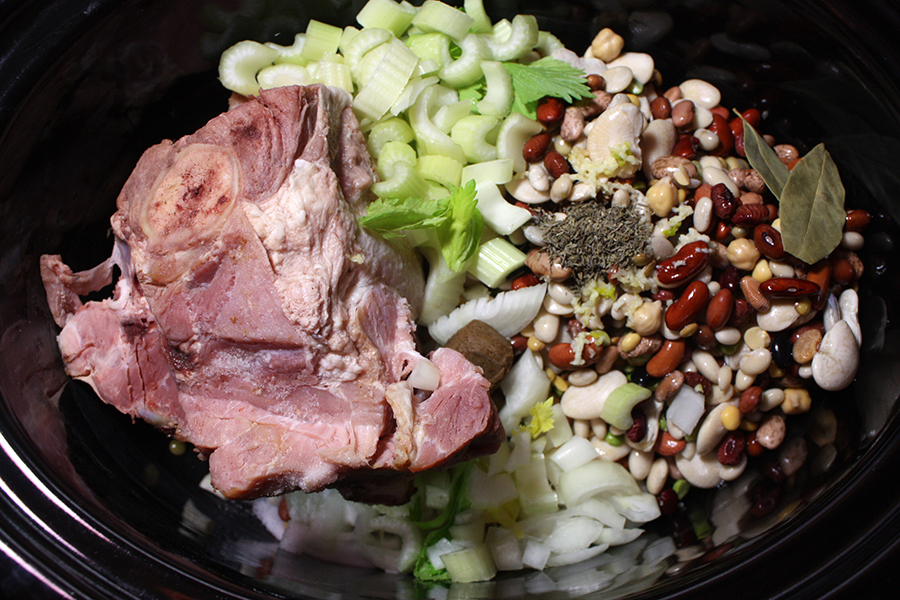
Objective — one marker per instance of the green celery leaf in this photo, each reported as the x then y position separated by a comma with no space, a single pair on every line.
546,77
460,234
425,571
388,216
476,91
762,158
812,207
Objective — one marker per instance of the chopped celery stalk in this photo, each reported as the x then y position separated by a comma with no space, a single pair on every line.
481,22
240,64
431,46
437,16
515,130
471,134
386,14
548,43
405,182
427,66
394,129
393,152
471,564
429,138
500,30
380,92
443,288
283,75
535,494
500,215
496,259
346,36
291,54
320,38
335,74
440,169
364,68
596,477
497,171
499,96
466,70
364,42
436,191
411,92
522,38
449,115
617,408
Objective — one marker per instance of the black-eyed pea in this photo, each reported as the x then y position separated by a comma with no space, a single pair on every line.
656,478
743,253
796,401
770,434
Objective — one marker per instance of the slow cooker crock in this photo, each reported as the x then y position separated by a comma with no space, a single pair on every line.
94,506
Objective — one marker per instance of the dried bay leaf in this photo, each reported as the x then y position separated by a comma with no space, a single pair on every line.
812,207
762,158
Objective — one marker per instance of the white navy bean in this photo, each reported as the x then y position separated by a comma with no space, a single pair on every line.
546,327
706,364
853,241
756,361
703,213
728,336
771,398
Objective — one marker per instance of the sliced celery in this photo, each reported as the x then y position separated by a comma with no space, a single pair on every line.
449,115
427,67
393,152
346,37
437,16
405,182
411,92
386,14
481,22
548,43
441,169
466,70
431,46
470,565
499,96
617,408
495,171
436,191
320,38
503,217
515,130
496,259
240,64
394,129
283,75
471,134
363,43
429,138
291,54
523,37
443,288
380,92
335,74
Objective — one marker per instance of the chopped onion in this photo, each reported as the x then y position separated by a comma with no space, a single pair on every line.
508,313
525,385
686,409
617,538
505,549
574,453
571,558
638,508
487,491
573,534
601,510
597,476
535,555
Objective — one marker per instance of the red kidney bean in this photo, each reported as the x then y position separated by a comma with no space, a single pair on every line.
768,241
519,343
788,287
556,164
754,448
857,220
720,127
639,427
751,215
820,274
730,278
668,501
719,309
705,338
688,306
667,359
536,147
724,203
661,108
731,449
524,281
749,400
692,379
723,230
741,313
842,271
686,146
550,111
684,264
666,445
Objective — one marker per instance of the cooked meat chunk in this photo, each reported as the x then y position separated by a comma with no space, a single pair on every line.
254,318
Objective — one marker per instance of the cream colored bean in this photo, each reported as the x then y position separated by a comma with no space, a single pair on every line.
713,176
701,471
546,327
725,377
587,402
756,361
729,473
617,79
647,318
703,213
835,364
849,303
714,288
607,45
582,377
582,428
756,338
581,191
561,293
555,308
690,450
742,381
712,430
538,177
656,478
720,395
561,188
609,452
707,365
728,336
780,269
761,271
640,463
708,140
743,254
853,241
703,118
781,315
805,372
771,398
621,198
701,93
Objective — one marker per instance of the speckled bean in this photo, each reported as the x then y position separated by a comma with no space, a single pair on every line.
770,434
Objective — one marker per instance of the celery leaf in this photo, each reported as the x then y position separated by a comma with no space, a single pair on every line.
461,232
388,216
541,418
547,77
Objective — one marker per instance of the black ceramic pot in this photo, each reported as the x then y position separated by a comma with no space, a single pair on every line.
94,506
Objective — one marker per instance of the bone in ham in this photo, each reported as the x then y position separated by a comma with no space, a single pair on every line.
254,318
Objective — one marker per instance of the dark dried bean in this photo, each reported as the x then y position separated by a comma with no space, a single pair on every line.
731,449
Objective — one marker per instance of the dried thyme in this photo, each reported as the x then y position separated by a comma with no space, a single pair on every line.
594,238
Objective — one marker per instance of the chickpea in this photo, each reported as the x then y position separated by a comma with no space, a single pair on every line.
662,197
607,45
647,318
743,254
